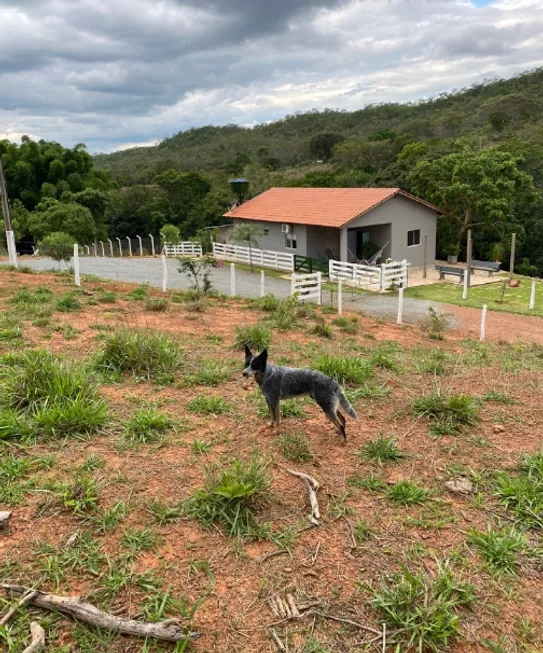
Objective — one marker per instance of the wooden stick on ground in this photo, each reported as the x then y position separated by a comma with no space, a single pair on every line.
312,487
28,596
169,630
38,638
278,642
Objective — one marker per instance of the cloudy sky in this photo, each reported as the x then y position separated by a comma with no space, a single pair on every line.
116,73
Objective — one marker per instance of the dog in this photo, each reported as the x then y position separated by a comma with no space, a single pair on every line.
278,383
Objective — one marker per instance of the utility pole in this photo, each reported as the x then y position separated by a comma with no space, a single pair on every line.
10,236
512,259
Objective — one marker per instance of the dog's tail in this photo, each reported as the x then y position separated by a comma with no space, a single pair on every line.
344,403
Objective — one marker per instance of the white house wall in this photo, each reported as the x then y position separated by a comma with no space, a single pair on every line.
403,215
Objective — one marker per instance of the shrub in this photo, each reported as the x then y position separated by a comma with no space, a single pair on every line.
344,369
156,304
147,425
67,303
295,447
198,272
230,496
58,245
143,353
423,608
499,548
256,337
268,303
434,324
381,450
208,405
449,413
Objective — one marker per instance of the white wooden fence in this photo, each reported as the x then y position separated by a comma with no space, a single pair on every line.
307,286
186,248
261,257
374,277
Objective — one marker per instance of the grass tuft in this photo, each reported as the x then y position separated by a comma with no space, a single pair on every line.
156,305
256,337
499,548
67,303
382,450
295,447
144,354
320,328
347,324
423,608
448,412
230,497
407,493
147,425
209,405
344,369
522,493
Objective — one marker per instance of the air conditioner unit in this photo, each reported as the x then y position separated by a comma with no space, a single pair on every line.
285,228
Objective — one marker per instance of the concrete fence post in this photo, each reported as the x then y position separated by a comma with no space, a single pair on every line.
339,297
319,281
465,291
12,249
129,246
88,249
262,283
112,254
292,283
483,323
76,265
152,244
400,306
141,245
120,247
233,279
532,296
102,247
164,273
94,249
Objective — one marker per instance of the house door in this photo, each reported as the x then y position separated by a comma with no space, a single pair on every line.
361,238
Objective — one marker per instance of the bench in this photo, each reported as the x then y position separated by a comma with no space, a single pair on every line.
457,272
485,266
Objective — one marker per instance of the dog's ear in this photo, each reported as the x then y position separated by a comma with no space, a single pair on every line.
248,355
259,362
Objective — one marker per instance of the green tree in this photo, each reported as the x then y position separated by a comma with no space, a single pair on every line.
170,234
471,188
72,219
58,245
184,191
321,145
247,233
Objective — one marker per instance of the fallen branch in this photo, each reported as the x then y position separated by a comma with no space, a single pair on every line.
312,487
28,596
169,630
38,638
280,646
347,621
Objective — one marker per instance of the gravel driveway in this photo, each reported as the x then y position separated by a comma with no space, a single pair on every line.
247,285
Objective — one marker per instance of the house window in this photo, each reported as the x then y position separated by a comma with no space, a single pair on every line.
266,232
290,239
413,238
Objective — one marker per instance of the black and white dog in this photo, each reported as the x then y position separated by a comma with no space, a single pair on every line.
279,383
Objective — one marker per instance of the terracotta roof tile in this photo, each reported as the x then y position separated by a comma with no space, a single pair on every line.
326,207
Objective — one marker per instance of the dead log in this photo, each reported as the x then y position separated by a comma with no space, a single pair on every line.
312,487
38,638
169,630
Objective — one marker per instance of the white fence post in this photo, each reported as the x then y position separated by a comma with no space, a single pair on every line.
483,323
120,247
382,280
164,274
233,279
102,246
76,265
262,283
141,245
88,249
111,247
532,296
129,246
319,280
94,249
465,291
339,297
12,249
400,306
292,283
152,244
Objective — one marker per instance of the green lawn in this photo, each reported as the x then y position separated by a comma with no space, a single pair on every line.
516,300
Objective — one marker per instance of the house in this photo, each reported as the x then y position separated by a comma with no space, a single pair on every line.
314,221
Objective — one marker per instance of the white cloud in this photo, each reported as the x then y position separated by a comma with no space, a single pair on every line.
116,74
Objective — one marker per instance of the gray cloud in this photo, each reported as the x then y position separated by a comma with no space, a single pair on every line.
109,73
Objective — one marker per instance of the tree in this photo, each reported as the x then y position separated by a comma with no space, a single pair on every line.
170,234
471,188
321,145
58,246
73,219
247,233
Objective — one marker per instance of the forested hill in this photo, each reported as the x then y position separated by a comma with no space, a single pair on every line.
486,114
